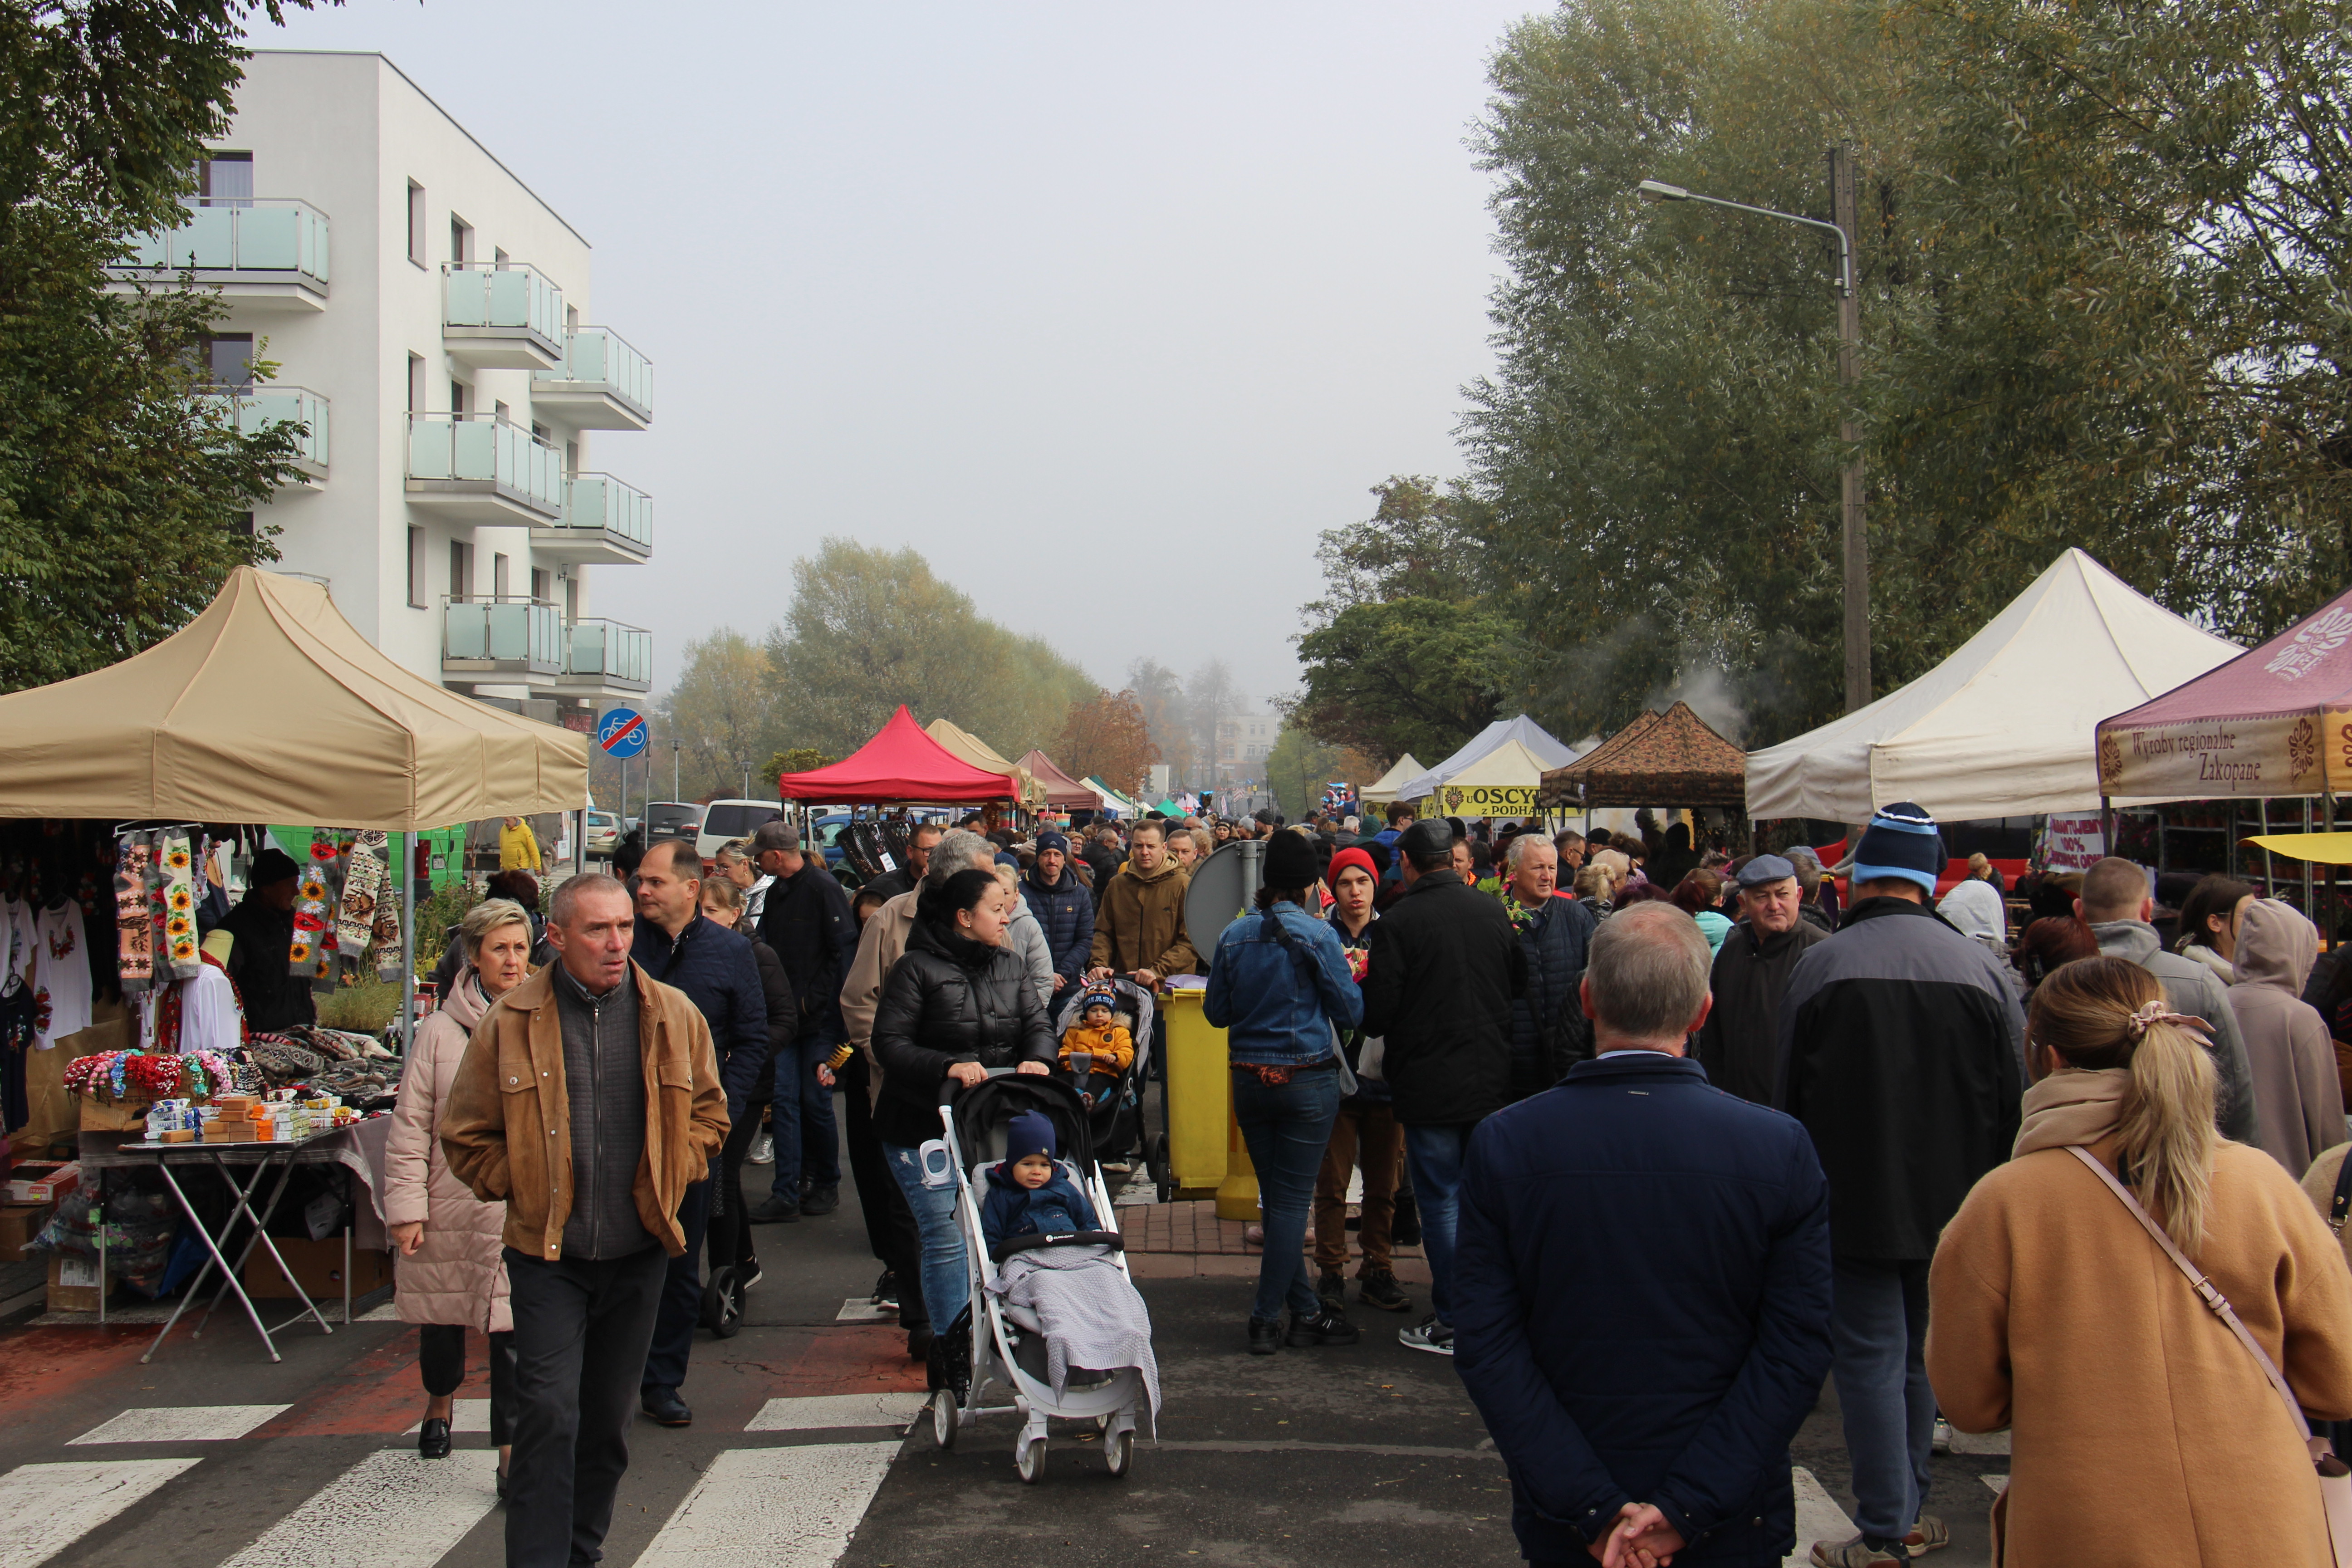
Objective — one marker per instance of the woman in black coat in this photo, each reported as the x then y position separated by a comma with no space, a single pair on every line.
955,1005
730,1231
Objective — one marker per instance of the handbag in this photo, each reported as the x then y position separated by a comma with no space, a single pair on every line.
2334,1475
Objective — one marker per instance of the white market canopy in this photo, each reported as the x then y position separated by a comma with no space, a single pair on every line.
1501,784
1524,730
2004,726
1382,790
270,707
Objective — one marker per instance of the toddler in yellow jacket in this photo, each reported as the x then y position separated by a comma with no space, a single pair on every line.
1095,1033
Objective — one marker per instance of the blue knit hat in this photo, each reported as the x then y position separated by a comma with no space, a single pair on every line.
1901,841
1031,1132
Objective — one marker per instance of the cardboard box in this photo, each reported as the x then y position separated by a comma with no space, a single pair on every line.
42,1184
19,1222
113,1115
75,1284
318,1267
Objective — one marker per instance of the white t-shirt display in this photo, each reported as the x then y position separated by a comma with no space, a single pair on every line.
61,984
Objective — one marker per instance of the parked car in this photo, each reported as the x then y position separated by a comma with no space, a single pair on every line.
604,834
672,819
725,820
827,829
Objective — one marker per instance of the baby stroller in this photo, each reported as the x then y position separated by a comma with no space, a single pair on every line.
1006,1348
1115,1123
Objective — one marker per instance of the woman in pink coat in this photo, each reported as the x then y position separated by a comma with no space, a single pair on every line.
452,1275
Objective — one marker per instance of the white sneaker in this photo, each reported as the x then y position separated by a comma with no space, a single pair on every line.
763,1151
1428,1334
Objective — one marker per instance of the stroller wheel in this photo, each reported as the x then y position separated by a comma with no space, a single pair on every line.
1029,1458
944,1418
723,1304
1119,1451
1156,1159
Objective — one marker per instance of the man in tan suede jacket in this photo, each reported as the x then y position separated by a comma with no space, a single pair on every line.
587,1102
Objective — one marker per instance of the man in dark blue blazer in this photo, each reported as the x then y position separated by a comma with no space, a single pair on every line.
1642,1298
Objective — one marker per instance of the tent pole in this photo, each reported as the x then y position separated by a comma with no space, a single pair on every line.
408,946
2307,864
2327,825
2269,865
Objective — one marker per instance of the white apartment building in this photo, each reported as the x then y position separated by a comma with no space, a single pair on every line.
1244,742
430,319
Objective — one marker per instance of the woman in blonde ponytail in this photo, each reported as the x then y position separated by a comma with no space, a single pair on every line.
2143,1435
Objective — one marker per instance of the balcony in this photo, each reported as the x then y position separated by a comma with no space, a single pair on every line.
253,409
501,316
264,253
479,469
605,655
509,641
604,523
601,384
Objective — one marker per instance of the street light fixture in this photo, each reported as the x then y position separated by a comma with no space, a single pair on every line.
1857,542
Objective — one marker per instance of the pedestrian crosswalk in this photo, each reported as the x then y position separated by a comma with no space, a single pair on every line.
763,1497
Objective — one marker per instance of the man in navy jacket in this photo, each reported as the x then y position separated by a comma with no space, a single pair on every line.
1064,907
1642,1299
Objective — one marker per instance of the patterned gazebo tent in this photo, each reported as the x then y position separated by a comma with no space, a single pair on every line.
1660,759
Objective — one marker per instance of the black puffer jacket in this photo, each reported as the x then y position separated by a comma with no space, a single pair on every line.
949,999
783,1017
1444,970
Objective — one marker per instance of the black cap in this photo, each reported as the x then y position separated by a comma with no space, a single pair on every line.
1289,861
271,866
1430,835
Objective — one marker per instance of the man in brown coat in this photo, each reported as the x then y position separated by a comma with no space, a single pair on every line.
588,1101
1139,915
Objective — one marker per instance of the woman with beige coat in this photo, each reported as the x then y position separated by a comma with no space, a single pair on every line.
2143,1433
451,1275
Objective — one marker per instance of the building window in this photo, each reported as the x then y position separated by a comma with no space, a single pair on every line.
461,571
225,359
456,395
499,259
225,179
499,571
540,433
416,223
539,586
417,384
572,598
417,600
570,318
571,458
244,524
461,239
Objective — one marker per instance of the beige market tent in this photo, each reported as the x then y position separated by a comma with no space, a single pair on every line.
2003,727
270,707
1382,790
967,747
1502,784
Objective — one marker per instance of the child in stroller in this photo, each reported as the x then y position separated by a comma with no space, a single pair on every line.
1096,1051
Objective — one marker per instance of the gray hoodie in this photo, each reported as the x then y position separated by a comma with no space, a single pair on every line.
2287,1047
2190,988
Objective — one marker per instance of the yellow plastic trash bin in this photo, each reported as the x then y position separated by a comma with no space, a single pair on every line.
1204,1147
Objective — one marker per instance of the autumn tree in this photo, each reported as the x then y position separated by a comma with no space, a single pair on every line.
723,711
1106,736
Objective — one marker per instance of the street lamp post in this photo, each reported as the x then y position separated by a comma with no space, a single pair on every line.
1855,541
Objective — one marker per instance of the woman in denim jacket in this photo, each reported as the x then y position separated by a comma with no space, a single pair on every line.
1279,986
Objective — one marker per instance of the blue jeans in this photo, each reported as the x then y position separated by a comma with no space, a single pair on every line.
1435,1155
1287,1130
1878,1317
806,1144
947,1284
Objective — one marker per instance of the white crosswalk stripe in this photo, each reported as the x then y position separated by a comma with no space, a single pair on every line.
1819,1518
464,1416
814,1412
392,1510
44,1508
781,1508
181,1424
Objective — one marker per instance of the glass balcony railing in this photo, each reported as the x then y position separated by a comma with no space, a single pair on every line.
507,296
253,409
506,636
599,502
600,357
260,238
482,451
609,651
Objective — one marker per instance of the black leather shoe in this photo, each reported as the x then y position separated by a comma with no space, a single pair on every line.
774,1213
1264,1337
433,1440
821,1201
502,1486
1326,1328
665,1406
919,1343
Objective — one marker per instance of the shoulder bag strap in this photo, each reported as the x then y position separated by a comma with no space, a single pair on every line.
2207,1291
2342,1206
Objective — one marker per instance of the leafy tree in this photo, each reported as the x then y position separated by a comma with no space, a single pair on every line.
1210,698
1300,765
869,629
1159,691
798,760
723,708
1410,675
123,499
1107,737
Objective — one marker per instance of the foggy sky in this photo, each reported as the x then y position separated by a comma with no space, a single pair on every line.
1161,290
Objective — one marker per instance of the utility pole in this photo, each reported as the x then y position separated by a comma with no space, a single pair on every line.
673,768
1857,543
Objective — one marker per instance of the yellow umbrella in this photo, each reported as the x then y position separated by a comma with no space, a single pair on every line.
2322,849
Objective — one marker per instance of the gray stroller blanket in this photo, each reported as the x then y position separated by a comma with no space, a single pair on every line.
1094,1318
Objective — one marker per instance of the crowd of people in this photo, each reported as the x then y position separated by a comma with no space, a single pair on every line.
1681,1133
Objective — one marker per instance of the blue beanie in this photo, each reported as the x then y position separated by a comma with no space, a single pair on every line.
1901,841
1031,1132
1049,839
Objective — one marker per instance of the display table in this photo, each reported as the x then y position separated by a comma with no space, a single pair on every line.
336,1146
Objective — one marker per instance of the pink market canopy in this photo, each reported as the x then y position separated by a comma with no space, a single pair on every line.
2274,721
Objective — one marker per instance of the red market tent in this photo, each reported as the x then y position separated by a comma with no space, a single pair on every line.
1062,792
899,764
